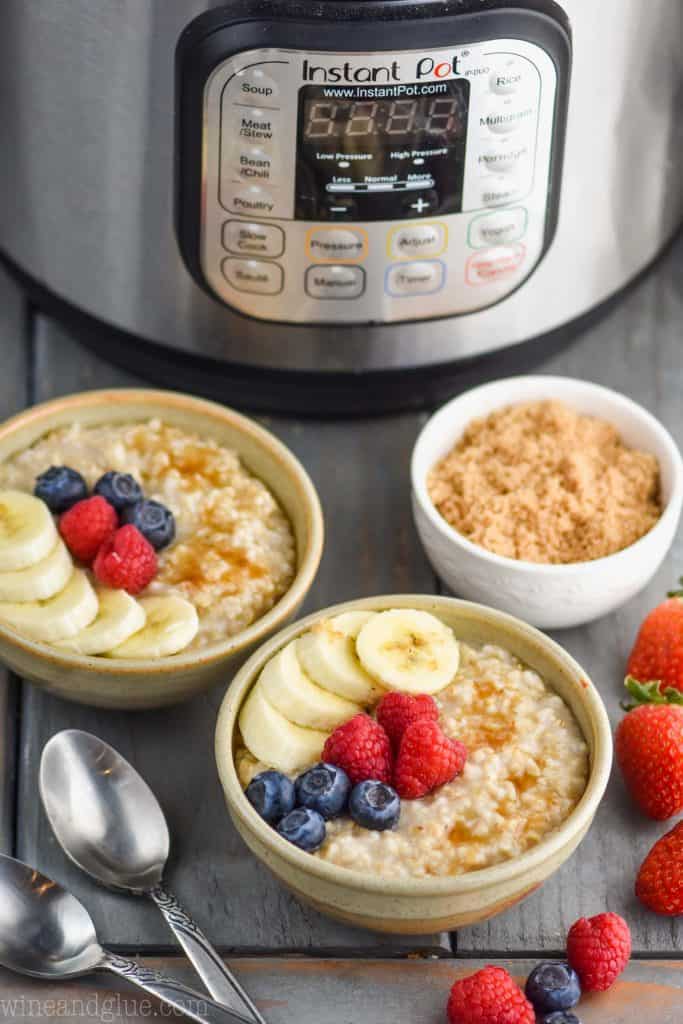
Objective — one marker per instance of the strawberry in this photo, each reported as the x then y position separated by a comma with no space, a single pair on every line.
361,747
599,948
396,711
658,650
427,758
659,885
649,748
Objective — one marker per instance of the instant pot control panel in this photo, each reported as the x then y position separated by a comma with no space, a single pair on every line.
378,186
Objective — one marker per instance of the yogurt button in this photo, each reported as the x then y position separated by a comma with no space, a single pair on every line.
418,240
418,278
498,228
253,276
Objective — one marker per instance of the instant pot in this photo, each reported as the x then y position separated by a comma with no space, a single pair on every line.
339,204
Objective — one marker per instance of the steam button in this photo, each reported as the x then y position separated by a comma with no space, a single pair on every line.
253,276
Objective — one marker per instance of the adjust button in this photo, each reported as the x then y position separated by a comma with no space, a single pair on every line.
417,240
420,278
338,245
335,282
253,276
246,238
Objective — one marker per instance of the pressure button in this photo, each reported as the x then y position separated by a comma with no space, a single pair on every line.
336,245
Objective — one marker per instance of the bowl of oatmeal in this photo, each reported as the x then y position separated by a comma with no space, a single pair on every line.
242,550
538,756
551,498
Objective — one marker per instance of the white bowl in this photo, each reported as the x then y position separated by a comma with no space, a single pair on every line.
549,596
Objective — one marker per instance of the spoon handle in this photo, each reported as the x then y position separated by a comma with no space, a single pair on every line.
219,980
192,1004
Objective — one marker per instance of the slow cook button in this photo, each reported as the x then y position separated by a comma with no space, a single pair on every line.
493,265
497,228
418,240
246,238
253,276
330,282
253,85
253,199
336,244
420,278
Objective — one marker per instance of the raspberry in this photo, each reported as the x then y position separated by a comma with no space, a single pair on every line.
126,561
427,758
489,997
396,711
361,747
598,948
86,525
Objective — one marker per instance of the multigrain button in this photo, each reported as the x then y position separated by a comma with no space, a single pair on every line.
507,118
420,278
414,240
253,276
254,85
491,229
335,282
253,199
247,238
336,244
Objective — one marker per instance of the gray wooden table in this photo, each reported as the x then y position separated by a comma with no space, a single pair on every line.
361,470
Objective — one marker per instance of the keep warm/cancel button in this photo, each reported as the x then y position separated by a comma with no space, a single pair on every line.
335,282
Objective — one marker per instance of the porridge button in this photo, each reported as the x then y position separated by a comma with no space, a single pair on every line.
253,276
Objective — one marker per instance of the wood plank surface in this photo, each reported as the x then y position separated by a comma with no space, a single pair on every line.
371,548
637,350
342,991
14,362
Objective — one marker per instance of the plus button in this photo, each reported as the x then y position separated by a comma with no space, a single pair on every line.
420,205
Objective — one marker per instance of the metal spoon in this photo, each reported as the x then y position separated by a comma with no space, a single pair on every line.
108,821
46,933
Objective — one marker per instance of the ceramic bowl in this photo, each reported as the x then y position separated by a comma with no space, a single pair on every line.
549,596
424,906
152,683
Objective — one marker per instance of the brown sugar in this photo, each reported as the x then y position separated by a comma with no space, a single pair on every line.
540,482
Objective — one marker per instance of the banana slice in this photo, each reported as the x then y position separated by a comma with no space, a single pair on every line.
409,650
27,530
327,653
271,738
118,617
171,625
62,616
40,581
292,693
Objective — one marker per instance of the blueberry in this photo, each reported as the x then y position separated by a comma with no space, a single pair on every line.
271,794
374,805
325,789
119,489
553,987
305,828
560,1017
153,520
60,487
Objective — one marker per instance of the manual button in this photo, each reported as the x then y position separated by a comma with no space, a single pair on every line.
415,240
335,282
338,245
253,276
246,238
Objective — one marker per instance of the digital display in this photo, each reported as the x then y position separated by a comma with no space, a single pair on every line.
381,152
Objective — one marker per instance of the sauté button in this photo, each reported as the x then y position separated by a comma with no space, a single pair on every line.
418,240
498,228
335,282
336,244
254,85
419,278
253,276
247,238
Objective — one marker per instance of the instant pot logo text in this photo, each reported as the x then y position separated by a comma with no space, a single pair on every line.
426,68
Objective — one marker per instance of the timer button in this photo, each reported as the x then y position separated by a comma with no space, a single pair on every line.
423,277
501,227
335,282
338,245
245,238
417,240
254,85
253,276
